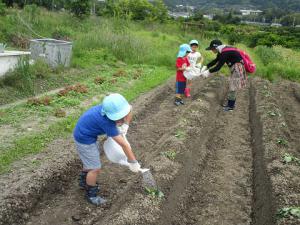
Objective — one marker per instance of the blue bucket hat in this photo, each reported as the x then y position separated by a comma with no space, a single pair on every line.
194,42
115,107
183,49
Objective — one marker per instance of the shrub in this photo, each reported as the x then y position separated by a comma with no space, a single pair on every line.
32,12
62,33
40,69
80,8
267,55
2,8
21,77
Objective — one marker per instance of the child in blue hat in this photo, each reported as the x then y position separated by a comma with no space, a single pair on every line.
102,119
182,64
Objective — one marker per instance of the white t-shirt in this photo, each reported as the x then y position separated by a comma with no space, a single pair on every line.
194,57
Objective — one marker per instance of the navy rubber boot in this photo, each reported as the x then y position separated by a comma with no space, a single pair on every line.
82,179
230,106
91,195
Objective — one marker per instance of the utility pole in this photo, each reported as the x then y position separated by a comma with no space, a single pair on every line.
294,21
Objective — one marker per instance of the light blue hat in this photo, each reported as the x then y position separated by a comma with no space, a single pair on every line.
183,49
194,42
115,107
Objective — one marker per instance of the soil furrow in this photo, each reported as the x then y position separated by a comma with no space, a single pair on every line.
220,192
263,202
190,161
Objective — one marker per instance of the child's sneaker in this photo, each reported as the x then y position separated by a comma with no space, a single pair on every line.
230,106
91,196
187,92
227,109
177,101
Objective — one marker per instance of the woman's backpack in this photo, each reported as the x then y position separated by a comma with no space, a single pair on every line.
250,66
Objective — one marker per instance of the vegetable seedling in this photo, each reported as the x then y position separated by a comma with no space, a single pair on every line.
154,192
289,211
282,142
287,158
270,113
170,154
180,134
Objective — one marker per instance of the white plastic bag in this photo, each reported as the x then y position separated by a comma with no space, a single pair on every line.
114,152
192,73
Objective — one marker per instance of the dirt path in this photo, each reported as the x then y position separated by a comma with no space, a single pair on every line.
223,170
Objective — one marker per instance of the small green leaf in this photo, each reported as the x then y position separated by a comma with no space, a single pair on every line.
295,212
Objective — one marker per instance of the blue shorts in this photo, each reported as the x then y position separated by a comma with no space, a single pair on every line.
180,86
89,155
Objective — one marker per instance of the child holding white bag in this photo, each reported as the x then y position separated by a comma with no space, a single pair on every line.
196,59
111,118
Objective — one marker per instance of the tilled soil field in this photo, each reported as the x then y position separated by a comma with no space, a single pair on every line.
225,169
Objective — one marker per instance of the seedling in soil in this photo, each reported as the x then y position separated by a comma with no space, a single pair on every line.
77,88
113,80
267,93
99,80
287,158
180,134
170,154
120,73
153,192
46,100
270,113
283,124
289,212
282,141
60,113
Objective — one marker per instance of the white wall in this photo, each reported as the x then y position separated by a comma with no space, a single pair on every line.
9,60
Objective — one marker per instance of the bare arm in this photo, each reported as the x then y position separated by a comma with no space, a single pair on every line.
201,60
125,146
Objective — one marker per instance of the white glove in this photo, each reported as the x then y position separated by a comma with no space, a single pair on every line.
203,69
123,129
199,65
188,69
134,166
206,73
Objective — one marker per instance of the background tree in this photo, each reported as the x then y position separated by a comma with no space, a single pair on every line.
80,8
159,11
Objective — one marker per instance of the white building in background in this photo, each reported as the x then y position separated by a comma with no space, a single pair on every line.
276,25
247,12
179,14
209,16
